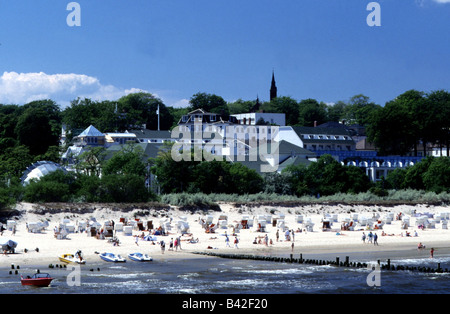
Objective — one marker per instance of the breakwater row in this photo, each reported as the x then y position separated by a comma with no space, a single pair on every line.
337,262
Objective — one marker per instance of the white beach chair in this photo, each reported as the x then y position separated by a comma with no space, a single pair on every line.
127,230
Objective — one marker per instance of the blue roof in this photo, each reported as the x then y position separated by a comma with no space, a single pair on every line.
91,131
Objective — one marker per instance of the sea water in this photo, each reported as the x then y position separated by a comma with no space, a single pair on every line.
228,276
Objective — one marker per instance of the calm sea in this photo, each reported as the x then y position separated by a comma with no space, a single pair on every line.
226,276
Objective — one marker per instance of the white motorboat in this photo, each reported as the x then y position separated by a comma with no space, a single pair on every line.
139,257
111,257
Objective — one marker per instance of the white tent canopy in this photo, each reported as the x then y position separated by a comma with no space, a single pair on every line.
40,169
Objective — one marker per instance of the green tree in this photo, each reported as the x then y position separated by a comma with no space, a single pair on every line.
391,128
9,193
15,160
88,188
128,188
34,131
326,176
437,177
52,111
336,112
440,99
396,179
312,112
356,180
414,174
91,161
129,160
141,108
359,109
278,183
296,175
85,112
423,115
240,106
172,176
211,177
57,186
9,115
289,107
209,103
245,180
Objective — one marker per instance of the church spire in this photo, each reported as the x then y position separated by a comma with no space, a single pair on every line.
273,87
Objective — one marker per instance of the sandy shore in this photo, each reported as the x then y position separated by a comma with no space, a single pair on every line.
314,242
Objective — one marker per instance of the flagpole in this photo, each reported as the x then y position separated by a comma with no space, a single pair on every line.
158,117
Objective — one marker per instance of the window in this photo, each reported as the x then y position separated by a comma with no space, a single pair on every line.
213,117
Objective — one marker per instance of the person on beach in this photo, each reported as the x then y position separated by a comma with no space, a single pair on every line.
287,235
432,253
163,246
227,240
176,244
375,239
236,241
278,234
364,237
136,240
171,244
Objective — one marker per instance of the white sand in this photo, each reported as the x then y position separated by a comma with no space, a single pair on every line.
316,241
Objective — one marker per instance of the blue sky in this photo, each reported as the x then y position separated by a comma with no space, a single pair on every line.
321,49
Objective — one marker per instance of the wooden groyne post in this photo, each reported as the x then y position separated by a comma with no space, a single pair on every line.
337,262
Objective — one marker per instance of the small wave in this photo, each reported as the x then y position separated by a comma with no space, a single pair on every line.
188,275
120,276
288,271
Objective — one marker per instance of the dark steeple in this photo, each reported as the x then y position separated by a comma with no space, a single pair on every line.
257,106
273,88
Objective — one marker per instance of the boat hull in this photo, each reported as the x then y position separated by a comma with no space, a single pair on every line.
112,258
70,258
43,281
137,257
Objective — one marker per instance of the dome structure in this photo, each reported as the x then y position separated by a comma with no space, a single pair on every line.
40,169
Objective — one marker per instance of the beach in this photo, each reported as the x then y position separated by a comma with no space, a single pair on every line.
43,248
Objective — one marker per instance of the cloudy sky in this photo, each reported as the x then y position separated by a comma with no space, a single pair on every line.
320,49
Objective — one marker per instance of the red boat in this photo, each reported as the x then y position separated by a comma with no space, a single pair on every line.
38,280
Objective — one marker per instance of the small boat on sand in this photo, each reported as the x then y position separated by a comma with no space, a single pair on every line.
139,257
38,280
111,257
72,258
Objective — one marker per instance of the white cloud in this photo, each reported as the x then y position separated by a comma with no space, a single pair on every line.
423,3
182,103
21,88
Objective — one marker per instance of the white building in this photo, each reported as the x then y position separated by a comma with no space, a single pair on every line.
253,118
317,138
